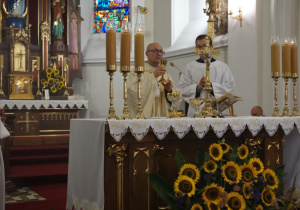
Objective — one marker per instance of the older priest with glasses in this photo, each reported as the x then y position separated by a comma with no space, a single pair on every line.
154,91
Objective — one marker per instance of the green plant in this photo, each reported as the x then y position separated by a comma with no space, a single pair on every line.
222,178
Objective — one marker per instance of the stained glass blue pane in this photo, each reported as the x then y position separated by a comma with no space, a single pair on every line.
110,4
118,15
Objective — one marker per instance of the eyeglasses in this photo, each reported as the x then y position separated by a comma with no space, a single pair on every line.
201,46
157,51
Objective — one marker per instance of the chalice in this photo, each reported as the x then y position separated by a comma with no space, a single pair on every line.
163,63
197,102
174,97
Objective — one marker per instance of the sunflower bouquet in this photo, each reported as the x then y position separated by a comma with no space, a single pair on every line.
225,177
53,80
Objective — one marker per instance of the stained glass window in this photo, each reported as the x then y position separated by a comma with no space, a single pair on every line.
117,10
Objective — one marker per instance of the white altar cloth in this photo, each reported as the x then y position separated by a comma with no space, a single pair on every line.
87,137
37,104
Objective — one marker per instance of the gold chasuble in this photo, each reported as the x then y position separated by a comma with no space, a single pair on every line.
153,95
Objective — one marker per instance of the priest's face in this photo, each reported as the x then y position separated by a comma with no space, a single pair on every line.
154,53
201,44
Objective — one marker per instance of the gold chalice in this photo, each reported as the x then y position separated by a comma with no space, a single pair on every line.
174,97
163,63
197,102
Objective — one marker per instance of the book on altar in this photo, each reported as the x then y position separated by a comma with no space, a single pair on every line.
225,101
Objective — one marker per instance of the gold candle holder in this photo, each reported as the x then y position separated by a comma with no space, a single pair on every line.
111,112
276,112
139,70
295,109
38,93
66,93
286,111
1,80
125,70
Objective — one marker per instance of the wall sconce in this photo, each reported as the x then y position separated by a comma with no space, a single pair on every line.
237,17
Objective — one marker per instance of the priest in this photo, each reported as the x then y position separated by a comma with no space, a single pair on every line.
154,101
193,78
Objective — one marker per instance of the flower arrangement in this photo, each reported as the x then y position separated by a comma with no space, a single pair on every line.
224,178
53,80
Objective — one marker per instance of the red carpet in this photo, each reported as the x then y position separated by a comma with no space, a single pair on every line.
43,169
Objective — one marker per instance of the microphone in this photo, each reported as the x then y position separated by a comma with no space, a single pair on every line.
173,65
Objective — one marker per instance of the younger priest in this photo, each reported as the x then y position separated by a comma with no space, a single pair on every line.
193,77
154,100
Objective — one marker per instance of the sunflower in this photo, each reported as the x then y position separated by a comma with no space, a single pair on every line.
48,75
53,89
216,152
191,171
235,201
247,190
248,172
211,194
225,147
196,206
267,196
243,152
56,71
45,83
210,166
271,178
256,162
231,172
49,70
259,207
212,206
185,185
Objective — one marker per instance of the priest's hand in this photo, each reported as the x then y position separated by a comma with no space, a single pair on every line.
159,71
201,83
167,86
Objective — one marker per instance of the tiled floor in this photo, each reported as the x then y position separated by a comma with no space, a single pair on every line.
23,195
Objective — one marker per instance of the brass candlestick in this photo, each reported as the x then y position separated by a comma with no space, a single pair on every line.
66,93
207,53
295,109
125,70
38,93
276,112
111,112
1,75
139,70
286,111
163,63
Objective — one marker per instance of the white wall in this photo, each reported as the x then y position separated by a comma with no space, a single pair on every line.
247,53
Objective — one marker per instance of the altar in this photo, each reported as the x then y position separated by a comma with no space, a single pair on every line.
109,161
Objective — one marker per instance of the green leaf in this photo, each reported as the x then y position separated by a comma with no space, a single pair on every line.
179,159
162,188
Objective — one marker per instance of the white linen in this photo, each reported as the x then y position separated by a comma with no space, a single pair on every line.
181,126
86,164
2,182
37,104
220,77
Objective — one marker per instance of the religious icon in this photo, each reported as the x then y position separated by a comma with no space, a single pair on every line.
16,13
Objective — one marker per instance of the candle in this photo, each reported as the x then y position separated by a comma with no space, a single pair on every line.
286,59
64,64
294,60
125,49
275,60
111,49
38,63
139,49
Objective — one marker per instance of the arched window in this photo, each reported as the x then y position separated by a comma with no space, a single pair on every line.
117,10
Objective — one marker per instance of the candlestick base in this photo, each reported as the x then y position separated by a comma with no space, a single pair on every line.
38,93
66,93
2,92
276,112
295,109
286,112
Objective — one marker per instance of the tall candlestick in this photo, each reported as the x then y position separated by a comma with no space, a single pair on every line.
294,60
111,53
286,59
139,49
275,59
38,63
125,50
2,60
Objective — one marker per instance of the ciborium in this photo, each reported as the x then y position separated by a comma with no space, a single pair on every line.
197,102
174,97
163,63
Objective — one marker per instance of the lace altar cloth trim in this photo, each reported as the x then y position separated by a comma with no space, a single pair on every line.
74,203
181,126
37,104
